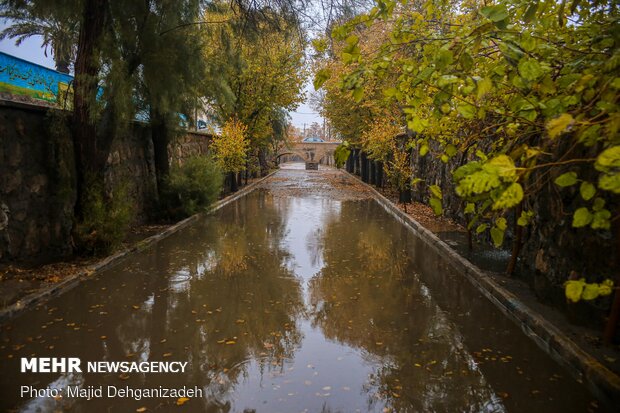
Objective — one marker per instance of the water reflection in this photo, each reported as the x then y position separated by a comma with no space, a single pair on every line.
368,296
283,304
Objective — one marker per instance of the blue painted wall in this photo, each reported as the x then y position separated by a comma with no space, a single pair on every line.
20,77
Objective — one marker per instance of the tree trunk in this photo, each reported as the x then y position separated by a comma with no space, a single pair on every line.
364,167
262,160
373,177
233,182
91,152
161,137
379,178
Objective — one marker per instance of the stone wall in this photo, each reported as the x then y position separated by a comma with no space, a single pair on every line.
188,145
36,185
37,178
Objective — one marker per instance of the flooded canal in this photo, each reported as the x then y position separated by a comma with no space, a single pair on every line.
304,296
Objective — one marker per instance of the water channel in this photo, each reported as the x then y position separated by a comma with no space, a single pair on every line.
304,296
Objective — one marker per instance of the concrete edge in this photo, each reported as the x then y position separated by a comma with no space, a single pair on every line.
604,383
115,259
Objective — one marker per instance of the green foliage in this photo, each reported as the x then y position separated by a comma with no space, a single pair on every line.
435,199
341,154
105,221
56,24
193,186
512,73
254,69
577,290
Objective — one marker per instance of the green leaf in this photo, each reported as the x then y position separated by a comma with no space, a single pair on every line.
358,94
436,205
590,291
497,235
389,92
609,158
610,182
587,190
417,124
451,150
470,208
484,86
525,218
503,165
566,179
352,40
559,125
501,223
606,287
530,12
443,58
436,191
423,149
573,289
582,217
481,228
600,219
320,78
598,204
510,197
495,13
530,69
466,110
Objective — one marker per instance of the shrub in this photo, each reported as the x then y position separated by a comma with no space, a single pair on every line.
193,186
105,220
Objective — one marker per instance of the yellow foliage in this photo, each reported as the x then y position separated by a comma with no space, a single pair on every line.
379,139
230,146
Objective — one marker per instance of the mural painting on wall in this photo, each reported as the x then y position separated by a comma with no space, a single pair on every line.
22,78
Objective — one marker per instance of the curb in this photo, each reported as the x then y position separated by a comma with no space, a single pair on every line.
601,381
115,259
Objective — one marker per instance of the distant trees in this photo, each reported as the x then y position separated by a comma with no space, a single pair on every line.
255,71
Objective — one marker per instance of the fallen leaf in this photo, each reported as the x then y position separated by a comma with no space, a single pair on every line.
141,409
167,354
182,400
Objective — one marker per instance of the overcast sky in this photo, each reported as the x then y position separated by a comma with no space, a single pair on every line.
30,49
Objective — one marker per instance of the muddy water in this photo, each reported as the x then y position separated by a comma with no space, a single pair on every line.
303,296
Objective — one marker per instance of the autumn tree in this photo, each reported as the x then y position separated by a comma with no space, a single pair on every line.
230,149
524,92
255,71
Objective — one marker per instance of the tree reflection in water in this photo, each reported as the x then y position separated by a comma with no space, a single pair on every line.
368,296
232,278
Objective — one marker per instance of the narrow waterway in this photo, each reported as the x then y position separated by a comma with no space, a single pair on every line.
304,296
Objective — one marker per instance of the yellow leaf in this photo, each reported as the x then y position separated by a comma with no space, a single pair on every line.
182,400
590,291
557,126
231,342
167,354
605,288
573,289
141,409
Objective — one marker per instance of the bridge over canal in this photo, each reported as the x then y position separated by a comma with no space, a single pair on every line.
312,153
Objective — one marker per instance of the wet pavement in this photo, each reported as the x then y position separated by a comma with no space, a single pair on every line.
304,296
